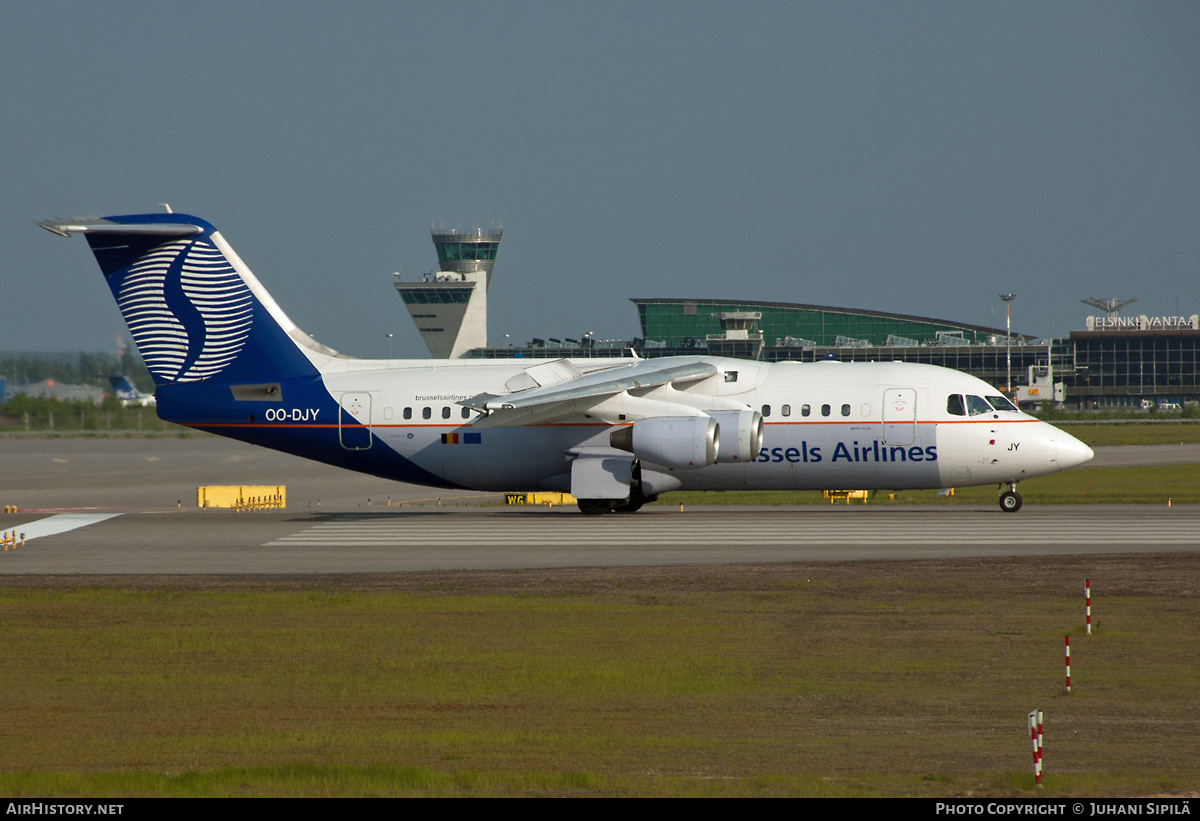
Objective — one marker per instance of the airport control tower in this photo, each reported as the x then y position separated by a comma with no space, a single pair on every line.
449,306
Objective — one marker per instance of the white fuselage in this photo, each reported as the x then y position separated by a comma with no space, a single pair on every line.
826,425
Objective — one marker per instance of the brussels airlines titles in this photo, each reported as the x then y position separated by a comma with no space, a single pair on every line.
854,452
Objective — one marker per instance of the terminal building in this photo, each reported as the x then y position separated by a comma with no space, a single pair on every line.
1131,361
808,333
1135,362
1115,361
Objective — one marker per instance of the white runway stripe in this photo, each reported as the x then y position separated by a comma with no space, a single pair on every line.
61,523
798,530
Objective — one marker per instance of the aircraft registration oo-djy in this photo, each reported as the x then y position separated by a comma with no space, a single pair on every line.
615,433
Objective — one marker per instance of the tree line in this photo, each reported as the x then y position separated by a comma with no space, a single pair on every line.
40,413
83,369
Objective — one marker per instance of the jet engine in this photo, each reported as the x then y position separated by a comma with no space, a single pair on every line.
741,434
676,441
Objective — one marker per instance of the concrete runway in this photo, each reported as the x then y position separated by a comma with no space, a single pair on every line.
282,542
131,488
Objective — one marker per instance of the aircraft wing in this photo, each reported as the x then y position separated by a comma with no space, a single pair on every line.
583,393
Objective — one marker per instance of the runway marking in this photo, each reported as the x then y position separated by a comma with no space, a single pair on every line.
798,530
53,525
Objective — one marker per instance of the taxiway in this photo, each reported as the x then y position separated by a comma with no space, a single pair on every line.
128,506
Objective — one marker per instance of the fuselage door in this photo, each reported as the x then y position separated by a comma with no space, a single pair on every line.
899,416
354,422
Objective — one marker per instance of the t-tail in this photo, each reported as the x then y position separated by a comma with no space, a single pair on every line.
126,393
214,340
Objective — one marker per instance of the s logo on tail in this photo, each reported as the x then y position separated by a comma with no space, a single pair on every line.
187,308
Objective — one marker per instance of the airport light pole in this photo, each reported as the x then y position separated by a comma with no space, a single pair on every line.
389,339
1008,298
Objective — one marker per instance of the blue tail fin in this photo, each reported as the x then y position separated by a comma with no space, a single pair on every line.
122,387
195,310
127,394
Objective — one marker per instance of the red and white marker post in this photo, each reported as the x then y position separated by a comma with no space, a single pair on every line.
1035,742
1067,646
1039,739
1087,603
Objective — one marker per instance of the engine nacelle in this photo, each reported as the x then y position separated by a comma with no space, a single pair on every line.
676,441
741,434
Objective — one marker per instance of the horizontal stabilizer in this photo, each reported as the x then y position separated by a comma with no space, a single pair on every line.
98,225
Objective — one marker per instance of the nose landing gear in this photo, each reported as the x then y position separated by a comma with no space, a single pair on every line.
1010,500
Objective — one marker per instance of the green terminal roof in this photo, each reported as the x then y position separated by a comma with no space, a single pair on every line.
671,321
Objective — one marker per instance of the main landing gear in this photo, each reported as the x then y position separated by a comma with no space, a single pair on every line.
1010,500
597,507
594,507
632,504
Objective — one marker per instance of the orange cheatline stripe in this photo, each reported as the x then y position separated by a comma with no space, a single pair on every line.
986,421
595,424
907,422
298,425
256,425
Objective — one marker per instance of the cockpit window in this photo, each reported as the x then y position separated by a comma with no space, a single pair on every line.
954,405
1000,403
977,405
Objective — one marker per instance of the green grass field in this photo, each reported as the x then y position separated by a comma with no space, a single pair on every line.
1133,433
849,679
1116,485
893,678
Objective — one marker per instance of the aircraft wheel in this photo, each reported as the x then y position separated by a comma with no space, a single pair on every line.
632,506
594,507
1010,501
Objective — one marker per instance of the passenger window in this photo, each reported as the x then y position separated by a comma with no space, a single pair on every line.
824,410
466,413
731,376
426,413
766,411
786,410
1001,403
408,413
805,410
446,412
845,410
954,405
977,405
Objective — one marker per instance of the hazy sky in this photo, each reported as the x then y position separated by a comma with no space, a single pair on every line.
918,157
